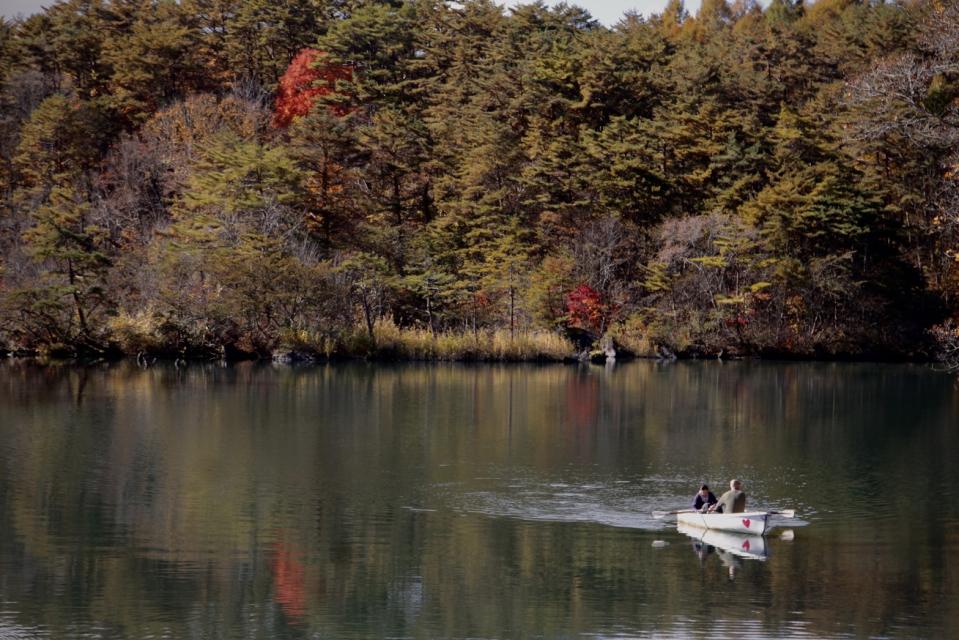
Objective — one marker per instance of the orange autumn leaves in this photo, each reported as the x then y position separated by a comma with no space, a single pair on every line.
306,80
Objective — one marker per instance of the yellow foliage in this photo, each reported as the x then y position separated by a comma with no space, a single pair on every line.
136,332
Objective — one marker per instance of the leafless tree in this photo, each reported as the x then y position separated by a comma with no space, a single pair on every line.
946,336
601,251
904,117
133,194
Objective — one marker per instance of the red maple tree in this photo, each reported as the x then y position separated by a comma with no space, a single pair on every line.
586,309
306,79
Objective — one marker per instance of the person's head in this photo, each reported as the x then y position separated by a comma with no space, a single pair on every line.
735,485
704,490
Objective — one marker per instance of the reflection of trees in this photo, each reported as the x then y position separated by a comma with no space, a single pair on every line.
288,573
582,400
185,499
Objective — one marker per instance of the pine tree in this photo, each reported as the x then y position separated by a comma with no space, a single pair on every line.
153,61
815,204
670,21
549,284
324,147
432,285
621,73
558,188
506,268
240,185
263,36
628,178
216,39
458,48
61,141
73,254
77,36
366,276
383,106
784,12
32,43
8,49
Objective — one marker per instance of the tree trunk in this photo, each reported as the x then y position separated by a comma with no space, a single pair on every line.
512,315
429,315
81,317
368,315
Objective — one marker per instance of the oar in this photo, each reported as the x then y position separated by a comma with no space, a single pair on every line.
659,515
786,513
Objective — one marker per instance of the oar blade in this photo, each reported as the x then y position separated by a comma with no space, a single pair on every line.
659,515
786,513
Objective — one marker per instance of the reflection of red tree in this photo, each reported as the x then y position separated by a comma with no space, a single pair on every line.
289,580
582,401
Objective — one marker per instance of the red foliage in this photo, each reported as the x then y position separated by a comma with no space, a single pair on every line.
289,579
586,308
582,401
307,78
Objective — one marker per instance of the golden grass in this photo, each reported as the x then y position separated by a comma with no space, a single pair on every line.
307,340
135,333
634,336
391,341
140,332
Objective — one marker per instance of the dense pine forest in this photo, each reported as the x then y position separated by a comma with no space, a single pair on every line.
245,178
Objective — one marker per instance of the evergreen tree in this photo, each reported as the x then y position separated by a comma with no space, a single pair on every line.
240,185
621,73
60,142
382,99
153,62
324,147
72,252
8,52
263,36
627,178
366,276
508,262
31,41
814,205
77,37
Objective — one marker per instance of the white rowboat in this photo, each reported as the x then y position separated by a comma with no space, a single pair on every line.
750,522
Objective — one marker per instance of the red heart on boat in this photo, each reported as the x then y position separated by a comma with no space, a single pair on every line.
746,545
747,522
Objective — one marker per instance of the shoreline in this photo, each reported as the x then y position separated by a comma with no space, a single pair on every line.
308,360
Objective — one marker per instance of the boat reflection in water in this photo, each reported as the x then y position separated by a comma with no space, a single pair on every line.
731,547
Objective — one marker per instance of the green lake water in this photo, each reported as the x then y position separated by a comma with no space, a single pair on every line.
456,501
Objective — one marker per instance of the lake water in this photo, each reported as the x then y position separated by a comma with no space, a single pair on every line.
455,501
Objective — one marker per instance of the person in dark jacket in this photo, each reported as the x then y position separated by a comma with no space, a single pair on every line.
704,499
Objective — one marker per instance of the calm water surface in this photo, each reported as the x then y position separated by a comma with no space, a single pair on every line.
450,501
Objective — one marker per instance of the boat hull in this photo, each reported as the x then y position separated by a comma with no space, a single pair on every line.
754,523
743,545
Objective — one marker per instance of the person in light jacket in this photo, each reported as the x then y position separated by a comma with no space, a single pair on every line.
733,501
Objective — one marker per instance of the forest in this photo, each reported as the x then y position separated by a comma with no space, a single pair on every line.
240,179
